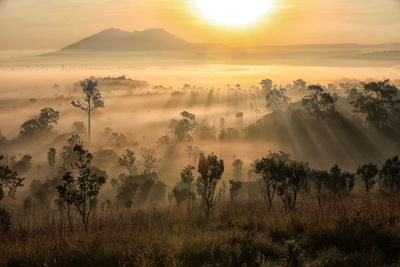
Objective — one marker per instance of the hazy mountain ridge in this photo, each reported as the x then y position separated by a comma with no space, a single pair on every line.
157,39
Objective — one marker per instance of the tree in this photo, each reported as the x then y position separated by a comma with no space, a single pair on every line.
51,157
78,127
318,103
237,169
292,179
182,128
276,99
390,174
300,85
377,102
211,170
319,180
269,168
8,180
187,178
92,99
368,171
24,165
127,161
80,186
266,85
339,181
234,188
42,123
127,190
150,163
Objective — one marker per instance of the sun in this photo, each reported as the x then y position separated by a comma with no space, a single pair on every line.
234,12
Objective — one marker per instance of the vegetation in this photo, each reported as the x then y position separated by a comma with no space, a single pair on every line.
169,206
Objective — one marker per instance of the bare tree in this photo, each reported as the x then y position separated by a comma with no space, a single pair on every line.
92,99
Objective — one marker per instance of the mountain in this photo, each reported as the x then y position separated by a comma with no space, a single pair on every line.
117,40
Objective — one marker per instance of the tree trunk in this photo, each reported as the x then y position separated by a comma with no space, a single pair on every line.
89,120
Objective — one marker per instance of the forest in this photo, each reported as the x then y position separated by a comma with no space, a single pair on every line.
115,171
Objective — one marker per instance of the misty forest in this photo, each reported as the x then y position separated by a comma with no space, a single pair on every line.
199,133
114,171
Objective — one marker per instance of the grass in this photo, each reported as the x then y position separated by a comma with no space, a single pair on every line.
355,231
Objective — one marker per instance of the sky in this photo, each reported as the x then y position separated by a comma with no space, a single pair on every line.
45,24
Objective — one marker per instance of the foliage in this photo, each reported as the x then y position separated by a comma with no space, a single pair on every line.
9,180
210,170
182,128
276,99
24,165
92,99
339,181
80,186
389,176
127,161
187,178
377,101
40,124
368,171
293,253
318,103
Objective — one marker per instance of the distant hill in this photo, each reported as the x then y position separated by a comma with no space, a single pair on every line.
157,46
118,40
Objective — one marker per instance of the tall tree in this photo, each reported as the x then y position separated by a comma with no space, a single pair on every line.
92,99
187,178
80,185
211,170
377,102
318,103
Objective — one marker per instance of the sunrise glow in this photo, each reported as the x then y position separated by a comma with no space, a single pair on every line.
234,12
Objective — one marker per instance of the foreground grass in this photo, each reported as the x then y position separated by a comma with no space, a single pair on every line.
351,231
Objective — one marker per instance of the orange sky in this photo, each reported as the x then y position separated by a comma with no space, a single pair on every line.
44,24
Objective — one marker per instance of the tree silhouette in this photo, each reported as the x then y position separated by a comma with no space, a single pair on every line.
51,157
318,103
42,123
389,175
377,101
234,188
210,169
92,99
127,161
237,169
269,168
187,178
183,127
276,99
368,171
339,181
80,186
8,180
